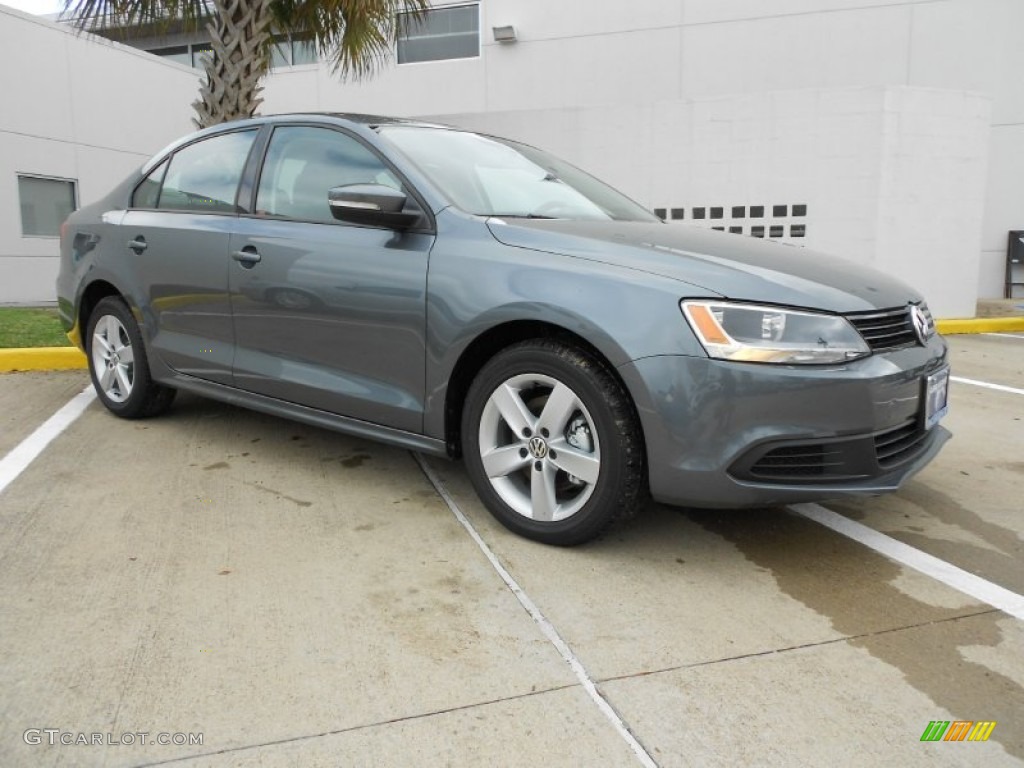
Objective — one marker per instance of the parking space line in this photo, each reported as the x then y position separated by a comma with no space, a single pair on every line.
546,627
25,452
987,385
1006,336
957,578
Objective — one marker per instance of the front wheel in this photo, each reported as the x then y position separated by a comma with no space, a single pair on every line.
552,444
118,364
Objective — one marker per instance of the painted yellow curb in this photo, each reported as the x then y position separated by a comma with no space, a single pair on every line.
41,359
980,325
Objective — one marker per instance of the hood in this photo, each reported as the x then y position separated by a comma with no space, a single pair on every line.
729,265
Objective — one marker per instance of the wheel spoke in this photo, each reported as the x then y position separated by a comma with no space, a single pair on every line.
585,466
106,378
560,406
126,354
542,493
112,331
104,346
504,461
512,409
124,383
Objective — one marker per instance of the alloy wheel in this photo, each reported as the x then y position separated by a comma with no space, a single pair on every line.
539,447
113,359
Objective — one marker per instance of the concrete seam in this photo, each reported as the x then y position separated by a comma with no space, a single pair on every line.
546,627
802,646
351,729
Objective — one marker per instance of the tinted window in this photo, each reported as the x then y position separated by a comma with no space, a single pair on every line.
303,163
204,176
148,192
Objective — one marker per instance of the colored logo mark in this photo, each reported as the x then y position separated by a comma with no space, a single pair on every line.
958,730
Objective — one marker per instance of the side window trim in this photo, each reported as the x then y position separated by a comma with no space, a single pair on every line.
251,172
163,164
428,215
166,163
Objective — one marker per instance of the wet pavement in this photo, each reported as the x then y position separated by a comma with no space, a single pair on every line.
299,597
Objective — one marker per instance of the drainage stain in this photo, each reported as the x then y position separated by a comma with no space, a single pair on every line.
1000,562
355,461
849,584
218,465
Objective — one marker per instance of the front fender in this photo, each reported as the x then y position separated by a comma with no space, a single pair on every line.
476,284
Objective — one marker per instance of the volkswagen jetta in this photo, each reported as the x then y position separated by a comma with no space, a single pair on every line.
465,295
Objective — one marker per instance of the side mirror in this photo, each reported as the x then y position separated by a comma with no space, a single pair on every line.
374,205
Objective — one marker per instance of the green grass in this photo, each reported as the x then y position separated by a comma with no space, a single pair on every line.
24,327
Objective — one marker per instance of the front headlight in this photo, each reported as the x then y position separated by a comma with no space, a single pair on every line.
759,334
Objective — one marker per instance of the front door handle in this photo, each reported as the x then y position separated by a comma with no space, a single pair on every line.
138,244
248,257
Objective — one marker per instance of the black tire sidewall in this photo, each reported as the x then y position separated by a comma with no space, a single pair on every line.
600,508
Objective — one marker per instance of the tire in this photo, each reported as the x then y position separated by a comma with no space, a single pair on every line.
552,443
118,364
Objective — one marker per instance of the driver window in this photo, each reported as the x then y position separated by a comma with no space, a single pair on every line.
303,163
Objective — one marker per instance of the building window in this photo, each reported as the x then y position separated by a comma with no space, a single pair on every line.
199,51
290,52
178,53
45,203
440,33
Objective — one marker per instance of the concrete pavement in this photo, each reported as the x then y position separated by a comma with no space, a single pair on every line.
301,598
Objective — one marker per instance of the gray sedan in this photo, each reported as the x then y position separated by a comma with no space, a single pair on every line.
465,295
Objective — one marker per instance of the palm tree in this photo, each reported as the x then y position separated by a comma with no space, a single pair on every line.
354,35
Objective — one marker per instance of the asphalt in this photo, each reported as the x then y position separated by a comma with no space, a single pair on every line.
301,598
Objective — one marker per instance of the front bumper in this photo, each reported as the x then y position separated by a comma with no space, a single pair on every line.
722,434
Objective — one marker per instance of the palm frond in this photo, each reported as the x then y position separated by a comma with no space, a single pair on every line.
136,18
355,36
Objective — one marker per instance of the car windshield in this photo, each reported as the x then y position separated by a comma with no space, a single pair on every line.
487,176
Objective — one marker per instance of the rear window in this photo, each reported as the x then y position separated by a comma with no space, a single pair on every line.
202,177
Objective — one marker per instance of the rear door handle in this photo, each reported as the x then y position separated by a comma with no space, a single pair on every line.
138,244
248,257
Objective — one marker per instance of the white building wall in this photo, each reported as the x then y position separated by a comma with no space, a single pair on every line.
630,56
74,107
890,177
720,90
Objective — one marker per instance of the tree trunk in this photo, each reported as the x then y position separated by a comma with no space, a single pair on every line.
240,58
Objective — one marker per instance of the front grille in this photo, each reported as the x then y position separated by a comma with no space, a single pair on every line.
836,459
798,461
899,444
888,328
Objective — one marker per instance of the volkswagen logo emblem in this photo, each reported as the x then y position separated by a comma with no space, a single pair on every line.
538,448
920,323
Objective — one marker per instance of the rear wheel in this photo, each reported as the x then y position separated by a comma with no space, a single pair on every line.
552,444
118,364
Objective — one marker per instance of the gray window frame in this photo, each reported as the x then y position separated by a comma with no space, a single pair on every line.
44,177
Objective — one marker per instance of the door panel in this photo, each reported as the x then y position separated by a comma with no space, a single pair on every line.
177,238
328,315
183,271
332,317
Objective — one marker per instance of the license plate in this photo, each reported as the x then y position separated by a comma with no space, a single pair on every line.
936,397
